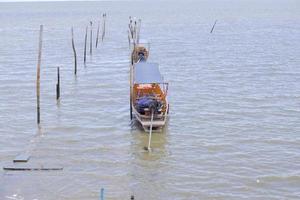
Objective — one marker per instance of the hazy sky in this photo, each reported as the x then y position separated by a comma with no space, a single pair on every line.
40,0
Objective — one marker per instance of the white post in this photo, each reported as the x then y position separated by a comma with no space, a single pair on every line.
150,134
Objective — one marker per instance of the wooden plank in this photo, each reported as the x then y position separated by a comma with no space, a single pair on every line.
23,157
31,168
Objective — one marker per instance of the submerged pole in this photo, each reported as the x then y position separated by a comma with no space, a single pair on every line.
212,29
91,38
102,194
38,75
97,34
74,51
58,85
85,41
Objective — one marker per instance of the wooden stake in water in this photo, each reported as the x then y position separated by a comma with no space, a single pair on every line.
102,194
58,85
128,38
97,34
85,41
38,75
131,92
150,133
91,38
134,32
104,23
130,27
138,31
212,29
74,51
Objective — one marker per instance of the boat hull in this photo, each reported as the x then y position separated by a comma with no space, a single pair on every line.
158,123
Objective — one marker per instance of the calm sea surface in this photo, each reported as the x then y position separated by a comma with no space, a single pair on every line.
234,128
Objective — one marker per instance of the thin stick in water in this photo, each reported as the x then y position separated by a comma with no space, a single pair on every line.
97,34
128,38
58,85
212,29
104,23
74,51
85,41
150,133
38,75
91,38
138,31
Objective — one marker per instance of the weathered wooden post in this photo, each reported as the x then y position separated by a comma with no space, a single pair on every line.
102,194
91,38
138,31
128,38
85,41
130,27
212,29
104,23
58,85
131,90
38,75
97,39
74,51
134,31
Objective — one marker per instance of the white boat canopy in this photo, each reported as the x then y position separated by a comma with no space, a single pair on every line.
147,73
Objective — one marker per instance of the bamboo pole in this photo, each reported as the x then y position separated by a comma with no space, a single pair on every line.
130,27
38,75
102,194
91,38
212,29
134,32
138,31
131,92
97,34
150,134
58,85
128,38
74,51
104,23
85,41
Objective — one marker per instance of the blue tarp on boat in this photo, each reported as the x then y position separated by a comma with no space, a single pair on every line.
145,72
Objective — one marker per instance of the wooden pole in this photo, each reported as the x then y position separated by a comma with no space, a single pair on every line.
74,51
130,27
212,29
150,134
38,75
128,38
102,194
103,30
138,31
58,85
97,34
91,38
85,41
131,92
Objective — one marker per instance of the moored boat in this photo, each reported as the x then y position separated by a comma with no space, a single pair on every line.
140,51
149,101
